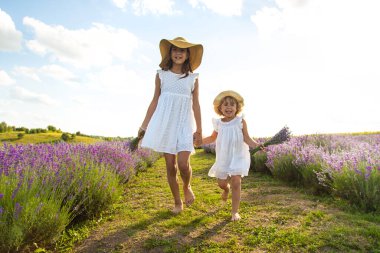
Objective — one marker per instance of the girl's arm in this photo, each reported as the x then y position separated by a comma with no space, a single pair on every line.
211,138
250,142
197,114
153,104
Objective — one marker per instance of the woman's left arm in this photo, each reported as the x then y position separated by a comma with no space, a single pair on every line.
247,139
197,114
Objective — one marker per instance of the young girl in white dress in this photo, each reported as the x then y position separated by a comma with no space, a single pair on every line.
232,147
168,126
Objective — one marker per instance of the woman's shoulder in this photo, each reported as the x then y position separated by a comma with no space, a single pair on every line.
195,75
160,71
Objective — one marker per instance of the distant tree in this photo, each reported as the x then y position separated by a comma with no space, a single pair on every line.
20,135
3,127
51,128
65,137
78,133
23,129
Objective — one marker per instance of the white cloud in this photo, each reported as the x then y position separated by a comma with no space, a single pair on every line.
117,79
145,7
54,71
10,38
5,79
120,3
27,72
98,46
330,48
25,95
333,35
221,7
157,7
59,73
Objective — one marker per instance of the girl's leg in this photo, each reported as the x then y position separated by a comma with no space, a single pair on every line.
186,172
225,186
236,189
171,173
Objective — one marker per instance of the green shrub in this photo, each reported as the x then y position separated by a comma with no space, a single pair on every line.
258,161
284,169
310,179
360,187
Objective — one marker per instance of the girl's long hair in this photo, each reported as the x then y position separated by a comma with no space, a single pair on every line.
168,63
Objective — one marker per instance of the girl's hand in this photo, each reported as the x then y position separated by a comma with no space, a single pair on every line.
197,138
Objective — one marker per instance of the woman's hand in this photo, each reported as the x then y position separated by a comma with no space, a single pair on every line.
141,133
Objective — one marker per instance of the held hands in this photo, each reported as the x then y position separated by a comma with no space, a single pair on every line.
197,138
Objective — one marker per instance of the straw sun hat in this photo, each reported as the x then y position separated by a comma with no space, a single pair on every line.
227,93
196,50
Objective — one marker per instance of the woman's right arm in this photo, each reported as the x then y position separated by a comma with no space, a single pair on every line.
153,104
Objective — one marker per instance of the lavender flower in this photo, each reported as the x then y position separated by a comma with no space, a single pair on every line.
18,209
282,136
134,143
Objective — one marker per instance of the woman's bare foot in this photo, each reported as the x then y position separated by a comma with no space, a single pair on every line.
225,193
189,196
235,217
177,208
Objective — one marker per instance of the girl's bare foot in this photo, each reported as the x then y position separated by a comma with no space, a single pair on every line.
189,196
225,193
235,217
177,208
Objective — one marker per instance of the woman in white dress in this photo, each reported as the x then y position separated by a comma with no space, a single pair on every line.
168,126
232,147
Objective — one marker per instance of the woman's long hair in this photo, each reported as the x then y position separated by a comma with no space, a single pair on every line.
168,63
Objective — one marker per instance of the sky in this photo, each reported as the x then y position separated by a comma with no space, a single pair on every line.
89,66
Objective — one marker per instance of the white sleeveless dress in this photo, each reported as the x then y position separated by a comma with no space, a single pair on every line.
172,125
232,153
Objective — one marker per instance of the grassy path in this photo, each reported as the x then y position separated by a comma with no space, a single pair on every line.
275,218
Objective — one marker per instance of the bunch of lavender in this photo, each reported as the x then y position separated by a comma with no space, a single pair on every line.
133,145
282,136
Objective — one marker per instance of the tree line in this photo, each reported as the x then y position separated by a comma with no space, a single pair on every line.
4,127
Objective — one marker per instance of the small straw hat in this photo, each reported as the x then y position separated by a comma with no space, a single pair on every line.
196,50
227,93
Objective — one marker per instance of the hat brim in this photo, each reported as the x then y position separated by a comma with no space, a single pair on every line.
227,93
196,51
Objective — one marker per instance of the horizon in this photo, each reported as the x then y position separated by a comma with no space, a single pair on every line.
123,137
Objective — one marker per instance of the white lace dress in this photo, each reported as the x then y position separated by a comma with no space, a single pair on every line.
171,127
232,153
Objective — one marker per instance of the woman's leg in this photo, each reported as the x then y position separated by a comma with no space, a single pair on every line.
186,173
236,189
171,173
225,186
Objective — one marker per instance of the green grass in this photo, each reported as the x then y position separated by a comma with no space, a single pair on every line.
275,218
11,137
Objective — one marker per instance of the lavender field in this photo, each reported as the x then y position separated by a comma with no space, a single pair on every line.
345,166
46,187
